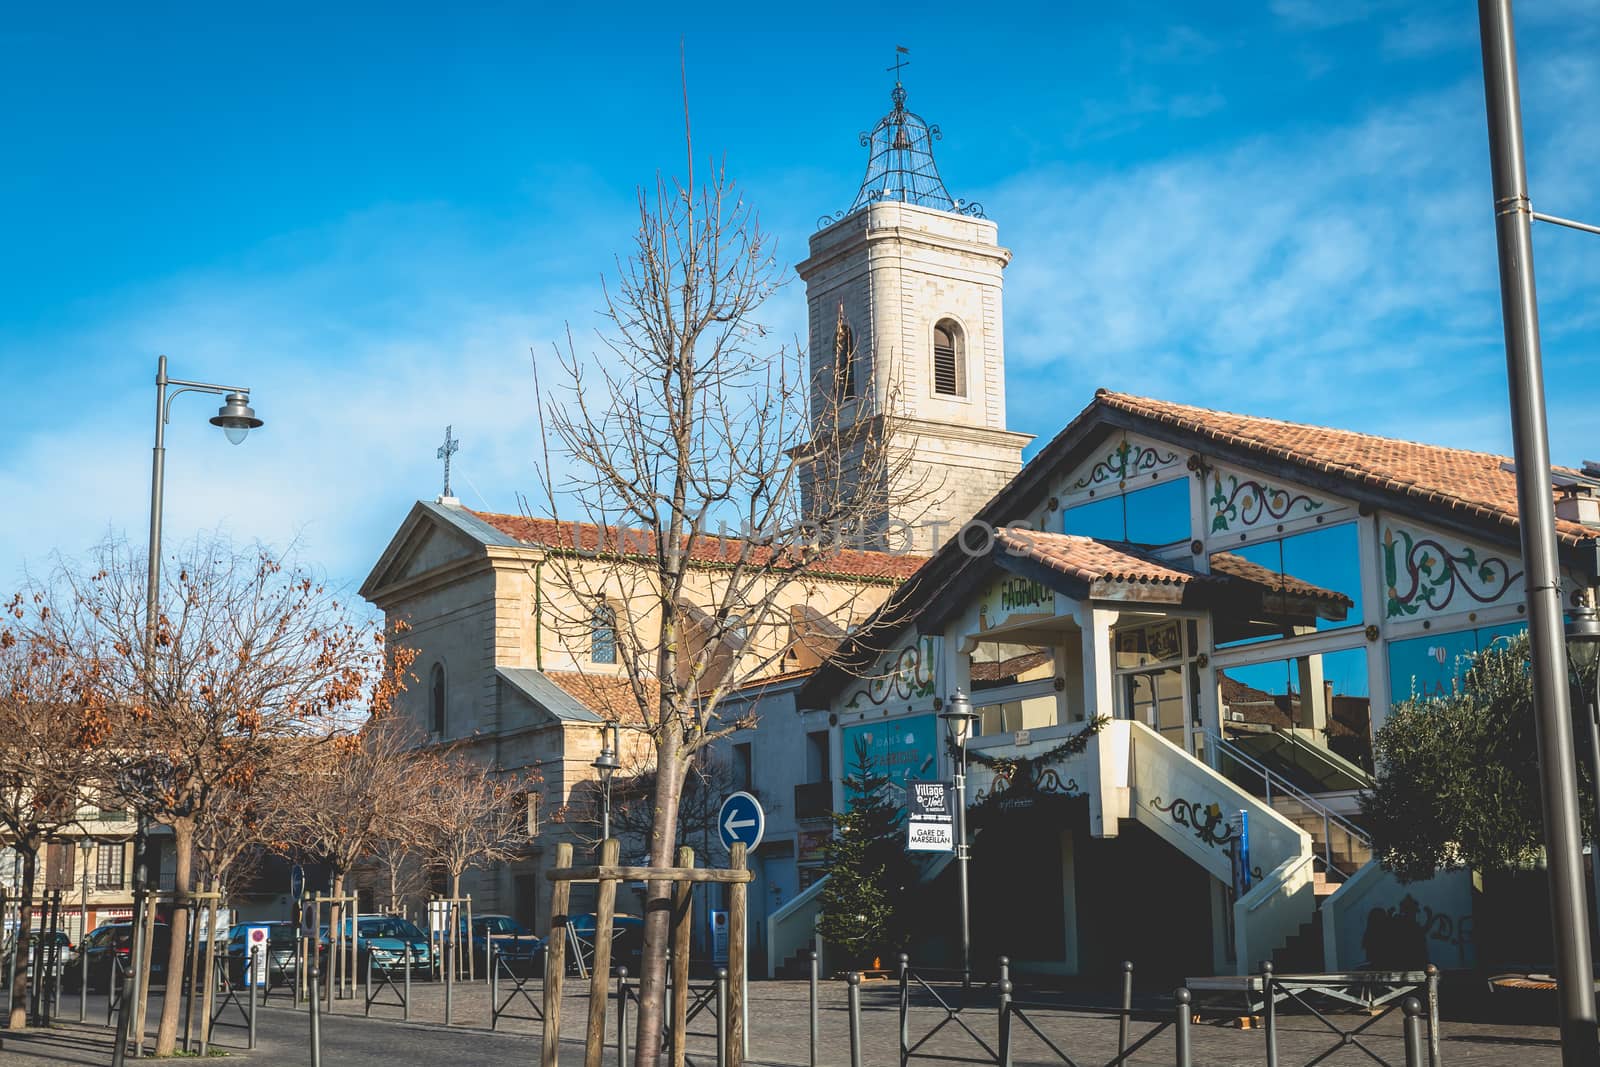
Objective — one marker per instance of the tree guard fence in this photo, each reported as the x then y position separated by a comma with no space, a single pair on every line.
684,876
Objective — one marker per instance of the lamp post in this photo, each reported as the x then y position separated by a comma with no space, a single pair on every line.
1583,651
958,718
236,419
86,847
1552,710
606,765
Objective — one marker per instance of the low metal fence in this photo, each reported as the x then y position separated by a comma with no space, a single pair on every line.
519,982
386,986
939,984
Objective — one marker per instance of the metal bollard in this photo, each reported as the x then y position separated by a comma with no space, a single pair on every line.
250,981
492,965
854,981
316,1018
1413,1032
449,964
366,981
812,953
622,1017
1269,1013
1127,1009
405,1013
1180,1021
905,1005
1433,1016
1004,987
722,1016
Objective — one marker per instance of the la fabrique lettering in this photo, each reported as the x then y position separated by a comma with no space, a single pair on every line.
1023,593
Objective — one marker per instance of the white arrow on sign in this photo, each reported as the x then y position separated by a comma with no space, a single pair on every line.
734,825
741,819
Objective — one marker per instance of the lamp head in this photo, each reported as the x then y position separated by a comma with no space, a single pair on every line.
606,763
236,417
1583,638
959,718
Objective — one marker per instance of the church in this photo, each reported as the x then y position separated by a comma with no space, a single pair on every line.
1178,629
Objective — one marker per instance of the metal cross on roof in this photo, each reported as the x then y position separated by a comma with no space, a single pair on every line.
450,447
900,60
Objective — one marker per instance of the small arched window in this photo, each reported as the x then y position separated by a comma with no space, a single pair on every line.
436,694
844,363
949,359
603,634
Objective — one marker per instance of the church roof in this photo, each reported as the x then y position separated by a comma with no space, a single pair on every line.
708,549
900,164
609,696
547,694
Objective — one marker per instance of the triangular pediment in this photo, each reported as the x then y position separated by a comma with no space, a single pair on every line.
426,544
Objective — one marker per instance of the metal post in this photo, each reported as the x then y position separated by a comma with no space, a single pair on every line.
316,1016
812,953
405,1014
905,1005
83,932
1413,1032
492,965
250,981
449,965
366,981
1180,1022
1594,766
1004,1022
622,1017
1531,446
1269,1013
854,995
722,1016
1433,1016
962,853
1127,1007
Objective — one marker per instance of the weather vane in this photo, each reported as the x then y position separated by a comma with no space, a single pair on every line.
450,447
900,60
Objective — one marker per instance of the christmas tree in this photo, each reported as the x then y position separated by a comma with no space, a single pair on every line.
868,870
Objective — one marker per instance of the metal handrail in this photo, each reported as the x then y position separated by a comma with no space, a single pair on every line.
1270,778
1327,758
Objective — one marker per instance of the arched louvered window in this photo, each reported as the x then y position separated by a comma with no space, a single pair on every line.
603,634
844,363
436,695
949,359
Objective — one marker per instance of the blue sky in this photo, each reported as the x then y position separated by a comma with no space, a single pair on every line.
373,217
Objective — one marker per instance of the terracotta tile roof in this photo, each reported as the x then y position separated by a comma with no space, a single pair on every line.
1089,560
1238,567
708,549
611,696
1473,483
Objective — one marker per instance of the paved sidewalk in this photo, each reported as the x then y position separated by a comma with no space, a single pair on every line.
779,1036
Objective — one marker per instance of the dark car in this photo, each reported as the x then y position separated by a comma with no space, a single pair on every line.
280,951
514,943
112,942
627,940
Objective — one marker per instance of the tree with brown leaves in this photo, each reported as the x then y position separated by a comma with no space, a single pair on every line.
52,724
248,651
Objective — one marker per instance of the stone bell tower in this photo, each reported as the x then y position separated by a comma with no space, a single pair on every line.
906,333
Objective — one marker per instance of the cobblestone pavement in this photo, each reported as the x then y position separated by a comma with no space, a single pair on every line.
780,1032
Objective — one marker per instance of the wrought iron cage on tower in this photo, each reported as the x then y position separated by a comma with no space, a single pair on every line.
900,165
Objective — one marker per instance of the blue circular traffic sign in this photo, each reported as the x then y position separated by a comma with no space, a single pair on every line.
741,819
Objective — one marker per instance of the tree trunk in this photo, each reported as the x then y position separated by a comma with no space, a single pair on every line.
177,959
19,987
658,901
336,939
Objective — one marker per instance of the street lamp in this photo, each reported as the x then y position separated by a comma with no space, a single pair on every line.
86,847
958,719
606,765
1583,650
236,418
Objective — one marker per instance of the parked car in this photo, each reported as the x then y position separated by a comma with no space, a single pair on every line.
627,940
36,944
280,951
384,938
515,943
113,941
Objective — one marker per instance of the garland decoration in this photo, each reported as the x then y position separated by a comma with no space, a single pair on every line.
1006,766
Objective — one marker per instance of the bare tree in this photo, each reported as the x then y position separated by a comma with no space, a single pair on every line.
474,818
686,421
51,726
248,651
709,780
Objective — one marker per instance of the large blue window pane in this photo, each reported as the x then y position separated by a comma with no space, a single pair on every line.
1488,635
1100,518
1159,515
1430,666
1329,560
